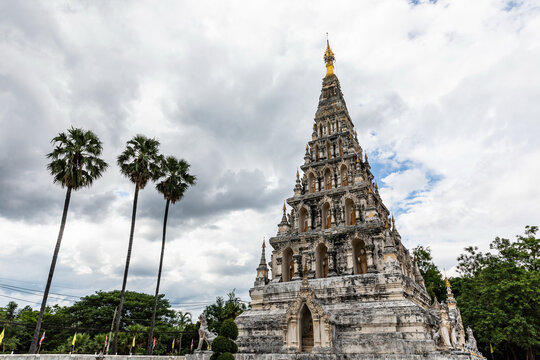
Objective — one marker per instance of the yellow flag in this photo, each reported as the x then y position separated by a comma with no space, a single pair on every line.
490,348
173,344
74,339
133,344
2,335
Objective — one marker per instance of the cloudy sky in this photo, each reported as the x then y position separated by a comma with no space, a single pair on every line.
444,96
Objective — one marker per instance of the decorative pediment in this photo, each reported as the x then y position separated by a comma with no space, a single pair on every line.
302,205
327,167
325,199
348,195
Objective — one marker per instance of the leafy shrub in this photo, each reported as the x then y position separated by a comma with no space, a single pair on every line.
229,329
224,346
226,356
221,345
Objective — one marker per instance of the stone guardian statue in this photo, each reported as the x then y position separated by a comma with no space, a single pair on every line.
205,334
471,341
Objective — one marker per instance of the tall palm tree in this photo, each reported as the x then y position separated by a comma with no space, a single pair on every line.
140,163
175,183
182,319
75,163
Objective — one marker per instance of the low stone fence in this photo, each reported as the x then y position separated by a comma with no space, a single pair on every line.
87,357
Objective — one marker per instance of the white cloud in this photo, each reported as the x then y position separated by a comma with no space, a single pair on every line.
444,97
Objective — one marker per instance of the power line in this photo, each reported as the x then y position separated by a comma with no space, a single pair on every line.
14,298
185,305
35,283
38,291
32,292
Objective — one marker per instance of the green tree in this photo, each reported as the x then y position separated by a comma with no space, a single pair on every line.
26,317
10,343
96,311
10,311
140,163
222,310
500,295
433,278
7,317
175,181
84,344
75,163
92,315
138,332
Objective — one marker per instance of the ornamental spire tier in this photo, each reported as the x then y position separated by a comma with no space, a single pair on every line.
329,58
342,282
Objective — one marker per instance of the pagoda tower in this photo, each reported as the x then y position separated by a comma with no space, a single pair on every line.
342,284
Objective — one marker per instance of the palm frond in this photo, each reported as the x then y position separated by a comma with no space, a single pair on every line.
176,179
75,160
140,160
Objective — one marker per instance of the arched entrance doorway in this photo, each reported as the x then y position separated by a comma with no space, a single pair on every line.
306,329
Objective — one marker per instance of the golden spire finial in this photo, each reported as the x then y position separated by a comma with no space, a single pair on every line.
357,159
446,282
329,58
297,173
264,244
284,208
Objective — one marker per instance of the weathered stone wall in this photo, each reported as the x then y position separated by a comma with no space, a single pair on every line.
366,314
460,356
86,357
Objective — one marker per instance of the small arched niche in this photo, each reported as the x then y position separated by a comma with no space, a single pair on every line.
312,183
306,330
317,157
359,257
321,260
287,265
326,216
350,213
344,175
328,179
328,151
340,147
302,220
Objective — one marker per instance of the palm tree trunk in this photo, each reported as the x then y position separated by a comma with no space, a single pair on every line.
151,333
33,345
126,270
